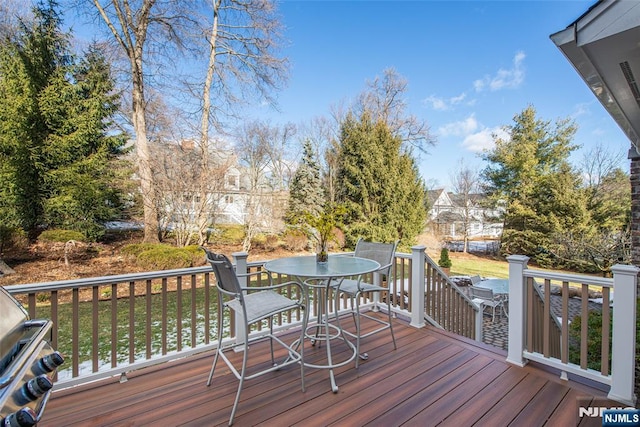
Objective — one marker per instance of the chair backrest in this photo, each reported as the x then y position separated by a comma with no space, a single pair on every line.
383,253
482,293
224,272
475,279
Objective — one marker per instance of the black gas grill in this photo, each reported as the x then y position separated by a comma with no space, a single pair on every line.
28,364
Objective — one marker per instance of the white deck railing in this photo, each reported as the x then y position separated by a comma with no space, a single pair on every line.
531,336
111,325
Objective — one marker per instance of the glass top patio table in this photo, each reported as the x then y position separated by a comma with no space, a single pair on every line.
498,286
304,268
308,267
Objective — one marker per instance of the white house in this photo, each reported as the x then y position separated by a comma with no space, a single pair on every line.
453,216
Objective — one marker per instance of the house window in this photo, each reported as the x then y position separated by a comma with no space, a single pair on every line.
228,199
232,180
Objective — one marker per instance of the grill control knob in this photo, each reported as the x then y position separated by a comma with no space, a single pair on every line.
25,417
34,388
48,363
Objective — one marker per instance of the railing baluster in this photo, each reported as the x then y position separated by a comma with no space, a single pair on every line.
193,311
32,305
179,313
94,329
606,331
164,315
75,333
207,309
132,321
584,326
114,325
546,322
565,323
148,319
55,319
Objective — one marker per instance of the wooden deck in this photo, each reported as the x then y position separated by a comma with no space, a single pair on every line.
433,378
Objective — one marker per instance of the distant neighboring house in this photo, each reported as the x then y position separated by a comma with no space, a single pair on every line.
229,187
449,213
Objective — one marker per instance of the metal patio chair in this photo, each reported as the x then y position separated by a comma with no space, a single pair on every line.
383,253
485,297
254,305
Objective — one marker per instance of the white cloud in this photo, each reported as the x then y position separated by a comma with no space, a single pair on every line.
460,128
504,79
475,136
581,109
444,104
436,103
483,140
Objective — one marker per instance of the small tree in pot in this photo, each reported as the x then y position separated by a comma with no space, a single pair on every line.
322,227
445,262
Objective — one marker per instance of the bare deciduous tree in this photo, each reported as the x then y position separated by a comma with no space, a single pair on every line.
464,182
11,13
384,100
259,152
136,28
598,163
179,185
242,41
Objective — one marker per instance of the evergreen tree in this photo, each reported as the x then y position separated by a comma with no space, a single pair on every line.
531,173
609,201
55,146
378,183
27,62
81,177
306,194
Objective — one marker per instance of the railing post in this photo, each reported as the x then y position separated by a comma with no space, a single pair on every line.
517,265
417,290
623,343
479,324
241,268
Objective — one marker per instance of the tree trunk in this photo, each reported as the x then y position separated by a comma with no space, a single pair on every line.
203,211
145,173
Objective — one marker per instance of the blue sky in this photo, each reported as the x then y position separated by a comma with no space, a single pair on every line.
470,66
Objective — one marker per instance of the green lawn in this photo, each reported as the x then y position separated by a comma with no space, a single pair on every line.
470,266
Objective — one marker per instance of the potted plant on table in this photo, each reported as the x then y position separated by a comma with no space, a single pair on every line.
322,226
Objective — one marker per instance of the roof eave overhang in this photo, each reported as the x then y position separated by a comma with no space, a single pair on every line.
607,35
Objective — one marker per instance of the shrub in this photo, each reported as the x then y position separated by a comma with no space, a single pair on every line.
161,256
12,238
136,249
61,236
295,240
594,338
259,241
272,242
230,234
164,258
444,261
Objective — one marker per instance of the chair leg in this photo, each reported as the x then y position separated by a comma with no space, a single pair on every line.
273,361
357,319
305,321
218,349
393,337
241,382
